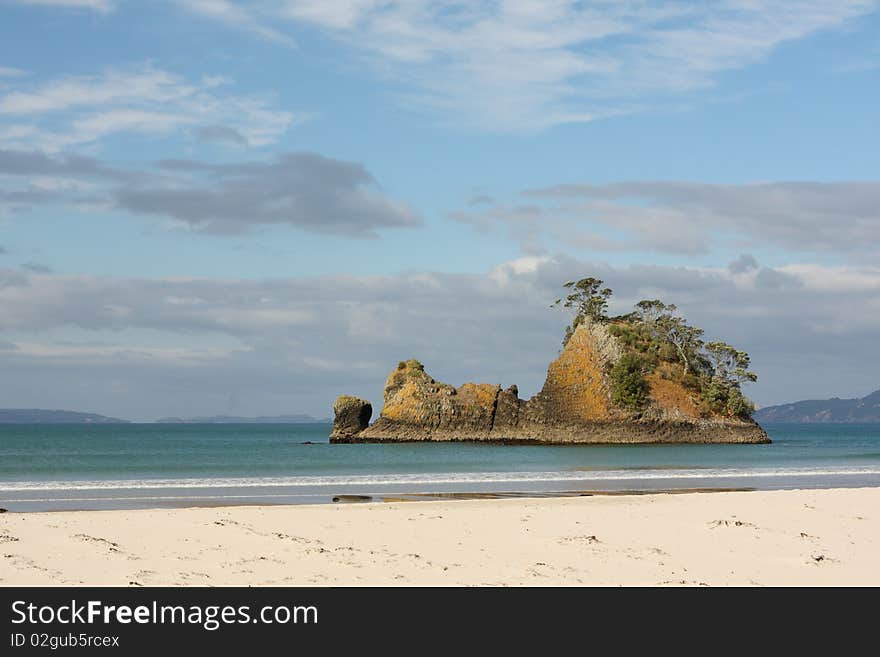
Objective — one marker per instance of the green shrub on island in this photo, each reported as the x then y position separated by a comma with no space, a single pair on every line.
653,334
629,389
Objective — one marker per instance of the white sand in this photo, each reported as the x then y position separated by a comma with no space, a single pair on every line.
809,537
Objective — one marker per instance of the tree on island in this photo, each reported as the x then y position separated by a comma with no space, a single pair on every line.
730,366
729,369
588,300
650,311
665,326
686,339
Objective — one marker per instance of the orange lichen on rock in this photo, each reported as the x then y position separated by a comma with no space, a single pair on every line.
406,391
576,388
405,404
473,406
413,397
670,396
481,394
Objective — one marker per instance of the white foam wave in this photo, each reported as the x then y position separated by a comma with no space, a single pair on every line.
435,478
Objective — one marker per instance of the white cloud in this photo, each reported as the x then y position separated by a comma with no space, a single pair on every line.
79,110
102,6
73,353
506,272
832,279
9,72
520,65
341,14
112,87
693,218
236,16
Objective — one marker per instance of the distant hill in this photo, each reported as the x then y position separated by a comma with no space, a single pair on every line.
235,419
866,409
41,416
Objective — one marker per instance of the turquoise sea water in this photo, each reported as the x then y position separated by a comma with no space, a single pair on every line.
152,465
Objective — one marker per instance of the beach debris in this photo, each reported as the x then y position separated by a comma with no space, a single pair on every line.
580,539
4,510
730,523
818,557
113,547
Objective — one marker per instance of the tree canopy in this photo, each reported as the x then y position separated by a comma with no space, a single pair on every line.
587,299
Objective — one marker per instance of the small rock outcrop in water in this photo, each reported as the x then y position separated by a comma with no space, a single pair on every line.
575,405
352,415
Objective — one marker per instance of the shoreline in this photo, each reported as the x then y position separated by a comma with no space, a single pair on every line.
134,498
782,537
213,502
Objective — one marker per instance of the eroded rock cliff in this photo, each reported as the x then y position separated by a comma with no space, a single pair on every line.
574,406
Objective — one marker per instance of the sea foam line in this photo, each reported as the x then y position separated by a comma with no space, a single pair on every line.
432,478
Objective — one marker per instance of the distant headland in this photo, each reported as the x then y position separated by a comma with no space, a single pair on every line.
863,410
42,416
644,377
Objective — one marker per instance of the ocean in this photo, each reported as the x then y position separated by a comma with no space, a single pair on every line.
55,467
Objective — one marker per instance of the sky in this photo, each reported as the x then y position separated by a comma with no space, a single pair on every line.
250,207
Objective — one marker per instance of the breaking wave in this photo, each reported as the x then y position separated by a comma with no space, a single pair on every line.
422,479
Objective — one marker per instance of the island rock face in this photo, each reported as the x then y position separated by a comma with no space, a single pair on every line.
574,406
352,415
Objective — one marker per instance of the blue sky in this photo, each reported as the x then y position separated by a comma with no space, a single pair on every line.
210,206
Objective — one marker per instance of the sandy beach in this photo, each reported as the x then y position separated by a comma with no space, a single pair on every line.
801,537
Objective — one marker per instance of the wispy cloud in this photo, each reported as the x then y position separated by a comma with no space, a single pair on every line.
30,178
693,217
74,354
10,72
78,110
236,16
36,268
522,65
103,6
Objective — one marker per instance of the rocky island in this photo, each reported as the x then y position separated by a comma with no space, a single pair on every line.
644,377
